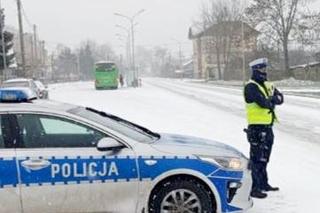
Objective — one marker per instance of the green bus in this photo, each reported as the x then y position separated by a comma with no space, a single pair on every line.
106,75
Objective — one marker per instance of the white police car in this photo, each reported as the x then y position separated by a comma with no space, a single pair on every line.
58,157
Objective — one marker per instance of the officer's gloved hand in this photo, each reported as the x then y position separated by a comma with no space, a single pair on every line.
271,105
277,99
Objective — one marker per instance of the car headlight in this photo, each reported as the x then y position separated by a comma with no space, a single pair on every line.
224,162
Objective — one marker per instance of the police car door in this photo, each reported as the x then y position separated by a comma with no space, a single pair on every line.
62,170
9,188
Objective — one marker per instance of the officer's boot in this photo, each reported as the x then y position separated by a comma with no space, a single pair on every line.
270,188
258,194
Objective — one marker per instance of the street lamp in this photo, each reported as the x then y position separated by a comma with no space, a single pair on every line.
128,48
126,40
132,23
180,51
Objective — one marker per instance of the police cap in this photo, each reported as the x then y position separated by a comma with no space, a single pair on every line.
259,63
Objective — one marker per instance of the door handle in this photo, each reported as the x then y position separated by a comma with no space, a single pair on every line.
150,162
35,164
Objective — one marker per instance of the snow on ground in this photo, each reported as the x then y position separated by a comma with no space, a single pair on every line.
218,113
289,86
286,83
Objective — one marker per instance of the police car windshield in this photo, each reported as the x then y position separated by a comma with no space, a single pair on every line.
131,130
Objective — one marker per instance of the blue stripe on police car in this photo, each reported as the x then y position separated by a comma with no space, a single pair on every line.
78,170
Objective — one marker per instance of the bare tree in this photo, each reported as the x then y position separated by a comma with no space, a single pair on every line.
104,52
220,16
277,19
307,31
65,64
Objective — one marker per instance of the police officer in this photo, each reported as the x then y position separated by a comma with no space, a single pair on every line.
261,97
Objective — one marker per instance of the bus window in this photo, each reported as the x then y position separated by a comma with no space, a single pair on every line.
105,66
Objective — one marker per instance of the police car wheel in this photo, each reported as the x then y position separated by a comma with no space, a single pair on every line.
181,196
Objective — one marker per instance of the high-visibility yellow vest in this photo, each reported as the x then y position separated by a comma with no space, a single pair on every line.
256,114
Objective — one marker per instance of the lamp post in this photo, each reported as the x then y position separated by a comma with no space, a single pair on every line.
132,25
128,44
180,52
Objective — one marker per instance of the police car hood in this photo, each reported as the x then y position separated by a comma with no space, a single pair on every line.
188,145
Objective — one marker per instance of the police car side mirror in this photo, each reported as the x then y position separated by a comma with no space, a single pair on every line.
109,144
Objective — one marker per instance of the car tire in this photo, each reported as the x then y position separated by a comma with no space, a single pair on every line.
180,195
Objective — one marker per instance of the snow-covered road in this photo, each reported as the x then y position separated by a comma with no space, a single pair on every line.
218,113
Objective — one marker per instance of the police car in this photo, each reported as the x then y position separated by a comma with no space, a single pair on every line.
57,157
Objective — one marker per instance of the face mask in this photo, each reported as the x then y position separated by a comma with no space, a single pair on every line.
259,76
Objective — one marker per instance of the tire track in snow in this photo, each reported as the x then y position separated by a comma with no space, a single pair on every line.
296,117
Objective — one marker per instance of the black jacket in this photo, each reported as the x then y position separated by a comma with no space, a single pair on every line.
253,94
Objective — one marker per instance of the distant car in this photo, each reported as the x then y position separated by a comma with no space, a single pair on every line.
42,90
21,83
56,157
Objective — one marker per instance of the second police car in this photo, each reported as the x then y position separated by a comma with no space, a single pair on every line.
58,157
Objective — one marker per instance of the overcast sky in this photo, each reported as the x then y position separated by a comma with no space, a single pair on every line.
70,21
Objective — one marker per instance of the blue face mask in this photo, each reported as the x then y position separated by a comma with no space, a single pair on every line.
259,76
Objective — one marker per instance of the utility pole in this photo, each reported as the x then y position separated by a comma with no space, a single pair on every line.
132,23
128,43
43,53
243,53
23,59
132,48
3,44
32,53
35,43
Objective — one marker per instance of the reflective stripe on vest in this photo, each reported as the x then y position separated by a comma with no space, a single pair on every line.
257,114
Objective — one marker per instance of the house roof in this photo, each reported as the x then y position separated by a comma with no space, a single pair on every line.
233,27
303,66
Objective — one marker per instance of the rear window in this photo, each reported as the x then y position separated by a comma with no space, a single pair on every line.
105,66
39,85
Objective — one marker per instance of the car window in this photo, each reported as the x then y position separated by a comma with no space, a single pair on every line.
40,131
9,133
39,85
54,126
1,136
33,86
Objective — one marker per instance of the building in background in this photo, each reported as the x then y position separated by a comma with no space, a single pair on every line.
218,50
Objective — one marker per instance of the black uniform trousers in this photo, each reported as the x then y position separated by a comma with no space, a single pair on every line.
261,139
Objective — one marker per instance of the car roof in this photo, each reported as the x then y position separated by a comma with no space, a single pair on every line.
17,80
37,106
105,62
